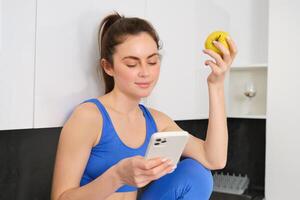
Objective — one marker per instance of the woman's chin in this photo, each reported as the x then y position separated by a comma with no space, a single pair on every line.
144,94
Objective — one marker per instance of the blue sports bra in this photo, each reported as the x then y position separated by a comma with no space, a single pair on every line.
110,149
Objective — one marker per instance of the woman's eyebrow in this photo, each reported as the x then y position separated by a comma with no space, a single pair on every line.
131,57
136,58
154,54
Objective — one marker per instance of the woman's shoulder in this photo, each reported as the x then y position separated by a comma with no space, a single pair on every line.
161,119
88,111
156,113
85,120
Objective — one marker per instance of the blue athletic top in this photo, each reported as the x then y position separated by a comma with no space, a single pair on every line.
111,149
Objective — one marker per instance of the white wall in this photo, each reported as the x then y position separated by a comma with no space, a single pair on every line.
283,102
248,22
67,54
17,51
181,91
57,53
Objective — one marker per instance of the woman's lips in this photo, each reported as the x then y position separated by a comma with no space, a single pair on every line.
143,85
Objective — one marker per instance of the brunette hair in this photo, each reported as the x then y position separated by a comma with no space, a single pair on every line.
113,31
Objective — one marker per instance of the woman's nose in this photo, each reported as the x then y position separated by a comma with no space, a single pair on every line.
144,70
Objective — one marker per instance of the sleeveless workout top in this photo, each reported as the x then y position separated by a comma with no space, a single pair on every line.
111,149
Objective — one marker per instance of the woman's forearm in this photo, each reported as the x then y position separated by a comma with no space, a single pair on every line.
216,142
98,189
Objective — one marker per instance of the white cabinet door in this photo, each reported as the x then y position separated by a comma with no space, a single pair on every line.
283,107
17,43
183,26
248,25
67,54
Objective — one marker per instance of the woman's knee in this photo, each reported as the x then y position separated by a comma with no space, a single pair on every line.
190,180
196,173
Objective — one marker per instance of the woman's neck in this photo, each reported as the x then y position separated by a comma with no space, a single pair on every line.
122,104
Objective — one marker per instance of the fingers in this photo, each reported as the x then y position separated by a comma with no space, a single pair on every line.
156,171
152,169
227,57
219,61
140,180
215,68
151,163
225,52
232,47
163,172
139,171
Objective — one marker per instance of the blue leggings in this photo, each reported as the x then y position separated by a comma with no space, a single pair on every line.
190,181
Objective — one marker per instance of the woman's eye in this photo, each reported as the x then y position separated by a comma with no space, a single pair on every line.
133,65
152,63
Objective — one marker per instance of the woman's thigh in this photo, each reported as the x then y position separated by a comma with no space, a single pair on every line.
190,180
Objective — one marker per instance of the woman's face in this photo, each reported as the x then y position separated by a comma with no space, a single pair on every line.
136,65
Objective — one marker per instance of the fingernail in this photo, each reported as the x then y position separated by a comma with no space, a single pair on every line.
171,171
170,162
174,167
215,42
164,159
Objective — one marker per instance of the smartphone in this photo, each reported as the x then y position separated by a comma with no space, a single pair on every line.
168,145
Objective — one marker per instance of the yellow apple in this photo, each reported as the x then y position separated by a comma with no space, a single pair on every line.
219,36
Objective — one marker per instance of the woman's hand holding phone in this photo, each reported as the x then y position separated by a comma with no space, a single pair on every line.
138,171
162,155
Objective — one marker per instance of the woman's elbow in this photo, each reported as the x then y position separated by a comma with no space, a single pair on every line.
217,165
61,196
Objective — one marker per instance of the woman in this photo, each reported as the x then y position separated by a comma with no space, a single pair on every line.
102,144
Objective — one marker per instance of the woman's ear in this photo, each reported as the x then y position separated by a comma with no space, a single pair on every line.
107,67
